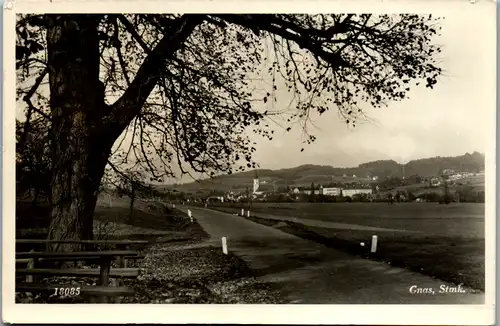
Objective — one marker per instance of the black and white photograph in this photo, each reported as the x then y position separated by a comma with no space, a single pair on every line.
198,157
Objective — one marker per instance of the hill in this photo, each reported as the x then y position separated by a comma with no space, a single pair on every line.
304,175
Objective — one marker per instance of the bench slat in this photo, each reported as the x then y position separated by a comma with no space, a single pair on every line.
124,242
84,290
90,258
84,272
46,254
23,261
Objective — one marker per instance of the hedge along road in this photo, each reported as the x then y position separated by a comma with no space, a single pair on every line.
307,272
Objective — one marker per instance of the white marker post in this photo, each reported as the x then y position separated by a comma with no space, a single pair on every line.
190,216
242,212
248,213
374,244
224,245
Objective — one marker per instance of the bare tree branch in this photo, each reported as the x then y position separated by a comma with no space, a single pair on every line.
130,103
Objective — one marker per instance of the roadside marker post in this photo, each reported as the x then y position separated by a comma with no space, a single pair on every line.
224,245
374,243
190,215
242,212
248,213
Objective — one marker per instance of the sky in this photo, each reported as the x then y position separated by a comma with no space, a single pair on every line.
444,121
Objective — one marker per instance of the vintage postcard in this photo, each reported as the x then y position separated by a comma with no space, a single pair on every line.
323,162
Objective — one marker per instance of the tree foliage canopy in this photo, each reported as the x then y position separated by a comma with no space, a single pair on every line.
194,106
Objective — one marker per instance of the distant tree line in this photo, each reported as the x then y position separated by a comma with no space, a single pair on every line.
398,197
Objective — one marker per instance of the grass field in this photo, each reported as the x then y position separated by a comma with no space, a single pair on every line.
461,220
151,221
475,181
446,242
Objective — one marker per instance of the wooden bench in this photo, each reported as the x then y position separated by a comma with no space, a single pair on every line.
103,258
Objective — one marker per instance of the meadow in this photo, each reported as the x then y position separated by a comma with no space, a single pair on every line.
442,241
463,220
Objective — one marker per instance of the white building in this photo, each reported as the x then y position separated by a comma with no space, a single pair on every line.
331,191
309,191
352,192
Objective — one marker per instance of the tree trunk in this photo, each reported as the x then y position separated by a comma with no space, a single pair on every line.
84,128
35,196
80,148
74,191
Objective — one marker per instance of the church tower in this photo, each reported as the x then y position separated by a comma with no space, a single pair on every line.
256,183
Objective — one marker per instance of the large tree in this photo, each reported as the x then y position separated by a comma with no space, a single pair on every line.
178,89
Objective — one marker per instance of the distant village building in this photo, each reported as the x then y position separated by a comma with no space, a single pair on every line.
331,191
214,199
435,182
448,172
256,184
352,192
305,191
309,191
231,195
459,175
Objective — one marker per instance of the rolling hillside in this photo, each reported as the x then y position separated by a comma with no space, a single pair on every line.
304,175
